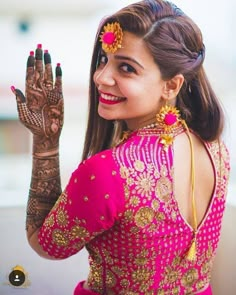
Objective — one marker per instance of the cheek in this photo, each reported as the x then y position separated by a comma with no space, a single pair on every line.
129,90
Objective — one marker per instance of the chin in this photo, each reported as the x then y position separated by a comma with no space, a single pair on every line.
107,116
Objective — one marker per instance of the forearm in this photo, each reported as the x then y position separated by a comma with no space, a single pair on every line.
45,185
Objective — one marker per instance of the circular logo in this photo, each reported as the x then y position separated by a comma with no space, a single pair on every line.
17,278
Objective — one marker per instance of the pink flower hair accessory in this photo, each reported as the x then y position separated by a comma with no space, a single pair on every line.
111,37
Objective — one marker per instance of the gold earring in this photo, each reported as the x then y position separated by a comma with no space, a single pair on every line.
168,118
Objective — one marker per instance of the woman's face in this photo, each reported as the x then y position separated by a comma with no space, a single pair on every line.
129,84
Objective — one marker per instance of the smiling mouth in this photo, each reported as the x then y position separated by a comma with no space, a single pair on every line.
110,99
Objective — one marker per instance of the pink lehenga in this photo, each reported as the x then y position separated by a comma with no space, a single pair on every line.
120,205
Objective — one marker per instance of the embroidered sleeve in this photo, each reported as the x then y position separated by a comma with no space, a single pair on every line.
90,204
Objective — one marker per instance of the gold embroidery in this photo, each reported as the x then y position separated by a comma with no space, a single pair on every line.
78,232
62,218
50,221
201,284
124,283
145,184
144,216
134,201
95,277
59,238
141,275
61,199
155,205
127,192
139,165
163,189
189,278
176,291
171,275
110,279
124,172
128,215
142,258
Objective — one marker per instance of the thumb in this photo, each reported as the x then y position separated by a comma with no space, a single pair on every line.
19,95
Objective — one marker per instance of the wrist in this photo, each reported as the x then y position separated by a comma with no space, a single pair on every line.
43,146
45,154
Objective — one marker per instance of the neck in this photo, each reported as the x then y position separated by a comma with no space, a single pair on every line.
145,124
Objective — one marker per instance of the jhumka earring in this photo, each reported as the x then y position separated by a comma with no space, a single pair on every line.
111,37
169,119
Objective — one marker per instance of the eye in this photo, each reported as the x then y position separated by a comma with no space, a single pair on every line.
102,59
127,68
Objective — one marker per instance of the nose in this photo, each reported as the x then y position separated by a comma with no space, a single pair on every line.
104,76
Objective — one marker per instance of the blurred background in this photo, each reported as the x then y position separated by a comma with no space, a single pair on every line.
67,29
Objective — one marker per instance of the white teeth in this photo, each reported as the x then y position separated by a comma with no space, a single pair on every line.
109,97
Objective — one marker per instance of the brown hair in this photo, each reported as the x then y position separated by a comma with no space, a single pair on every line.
176,45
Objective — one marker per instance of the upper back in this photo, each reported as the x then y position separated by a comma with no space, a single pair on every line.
204,171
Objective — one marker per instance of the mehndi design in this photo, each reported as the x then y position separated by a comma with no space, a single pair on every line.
41,111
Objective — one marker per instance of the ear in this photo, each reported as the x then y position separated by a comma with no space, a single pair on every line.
172,87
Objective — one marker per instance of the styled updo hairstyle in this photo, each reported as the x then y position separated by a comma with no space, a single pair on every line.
176,45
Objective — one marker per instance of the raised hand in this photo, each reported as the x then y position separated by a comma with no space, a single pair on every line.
41,108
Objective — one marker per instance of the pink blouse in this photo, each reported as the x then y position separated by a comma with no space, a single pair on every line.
120,205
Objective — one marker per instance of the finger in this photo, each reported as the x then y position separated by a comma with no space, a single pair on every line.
30,70
19,95
58,81
27,117
48,75
39,65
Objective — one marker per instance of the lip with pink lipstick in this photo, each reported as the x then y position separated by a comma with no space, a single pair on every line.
108,98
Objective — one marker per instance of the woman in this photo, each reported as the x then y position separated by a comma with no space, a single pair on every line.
148,198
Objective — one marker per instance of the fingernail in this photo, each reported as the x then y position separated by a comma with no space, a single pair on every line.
31,53
31,60
39,52
13,88
47,57
58,70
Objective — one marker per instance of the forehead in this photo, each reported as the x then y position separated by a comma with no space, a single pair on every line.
134,46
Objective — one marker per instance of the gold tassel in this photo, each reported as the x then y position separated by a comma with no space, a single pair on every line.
192,252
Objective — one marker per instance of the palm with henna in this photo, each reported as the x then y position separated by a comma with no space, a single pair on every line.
41,111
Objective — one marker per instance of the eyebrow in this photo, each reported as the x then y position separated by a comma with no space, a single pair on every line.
122,57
